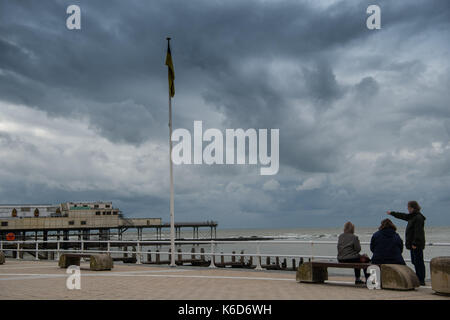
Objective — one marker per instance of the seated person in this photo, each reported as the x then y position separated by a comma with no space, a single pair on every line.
348,249
386,245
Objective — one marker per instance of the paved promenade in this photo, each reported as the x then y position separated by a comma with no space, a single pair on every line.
44,280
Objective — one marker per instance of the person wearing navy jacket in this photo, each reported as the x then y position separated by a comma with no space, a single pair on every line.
386,245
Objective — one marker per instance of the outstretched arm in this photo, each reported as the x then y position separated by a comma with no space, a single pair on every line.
399,215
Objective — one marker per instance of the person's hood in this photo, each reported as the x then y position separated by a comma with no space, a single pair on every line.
388,232
419,213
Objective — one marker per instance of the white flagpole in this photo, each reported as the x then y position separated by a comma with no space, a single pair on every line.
172,218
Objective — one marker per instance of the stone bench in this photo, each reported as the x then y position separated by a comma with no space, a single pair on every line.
316,271
393,276
98,262
2,258
440,274
398,277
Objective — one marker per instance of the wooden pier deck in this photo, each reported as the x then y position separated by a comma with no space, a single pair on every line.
48,231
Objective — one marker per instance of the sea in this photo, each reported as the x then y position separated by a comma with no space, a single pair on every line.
319,236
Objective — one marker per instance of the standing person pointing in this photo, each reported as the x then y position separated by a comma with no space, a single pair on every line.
415,236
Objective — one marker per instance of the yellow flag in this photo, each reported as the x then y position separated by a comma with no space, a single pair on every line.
171,71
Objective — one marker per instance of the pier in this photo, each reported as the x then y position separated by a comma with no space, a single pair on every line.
46,231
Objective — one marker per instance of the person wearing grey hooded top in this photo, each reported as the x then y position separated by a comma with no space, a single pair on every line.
349,248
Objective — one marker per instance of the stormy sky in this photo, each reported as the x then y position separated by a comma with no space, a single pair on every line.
364,115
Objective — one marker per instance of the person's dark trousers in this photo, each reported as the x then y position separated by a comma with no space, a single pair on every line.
419,264
357,271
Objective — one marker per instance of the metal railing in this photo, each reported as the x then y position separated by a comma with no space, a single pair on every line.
212,244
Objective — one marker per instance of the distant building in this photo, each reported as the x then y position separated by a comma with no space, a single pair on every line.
81,217
12,211
67,209
89,208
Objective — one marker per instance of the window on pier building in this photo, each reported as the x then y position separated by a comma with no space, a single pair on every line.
83,223
108,213
4,223
14,213
95,206
36,212
71,223
97,213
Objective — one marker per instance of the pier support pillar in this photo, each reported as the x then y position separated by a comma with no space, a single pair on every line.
45,238
202,254
180,257
86,235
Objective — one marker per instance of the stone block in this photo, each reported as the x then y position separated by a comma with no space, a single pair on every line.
440,274
101,262
66,261
307,273
398,277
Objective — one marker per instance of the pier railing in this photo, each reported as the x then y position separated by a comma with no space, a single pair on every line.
39,246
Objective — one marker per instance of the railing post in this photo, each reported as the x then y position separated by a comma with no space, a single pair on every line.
138,253
18,251
57,250
37,251
212,265
1,244
312,250
109,246
82,245
157,257
258,257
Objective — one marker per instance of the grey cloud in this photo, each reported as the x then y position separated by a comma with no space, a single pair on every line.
367,87
283,64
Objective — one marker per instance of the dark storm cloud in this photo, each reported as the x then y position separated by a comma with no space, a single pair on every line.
118,54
